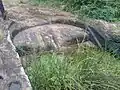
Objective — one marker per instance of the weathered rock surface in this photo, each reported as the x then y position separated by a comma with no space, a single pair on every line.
109,28
12,75
43,29
50,37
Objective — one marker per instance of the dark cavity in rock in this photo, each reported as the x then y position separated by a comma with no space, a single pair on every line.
15,86
1,77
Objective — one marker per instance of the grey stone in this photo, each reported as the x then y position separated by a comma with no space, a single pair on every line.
11,69
49,37
97,31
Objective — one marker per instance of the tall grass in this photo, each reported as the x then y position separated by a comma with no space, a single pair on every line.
108,10
86,69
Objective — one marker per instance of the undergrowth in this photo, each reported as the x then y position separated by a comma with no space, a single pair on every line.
85,69
108,10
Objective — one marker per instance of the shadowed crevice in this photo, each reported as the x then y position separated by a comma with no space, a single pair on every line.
2,10
1,78
15,86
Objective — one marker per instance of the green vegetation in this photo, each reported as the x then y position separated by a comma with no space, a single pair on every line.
108,10
86,69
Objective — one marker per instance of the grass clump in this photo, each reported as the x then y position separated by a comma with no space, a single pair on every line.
87,69
108,10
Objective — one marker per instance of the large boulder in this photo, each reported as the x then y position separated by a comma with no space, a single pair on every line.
45,29
34,28
49,37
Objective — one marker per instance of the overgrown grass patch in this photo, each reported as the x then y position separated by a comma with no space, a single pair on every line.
86,69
